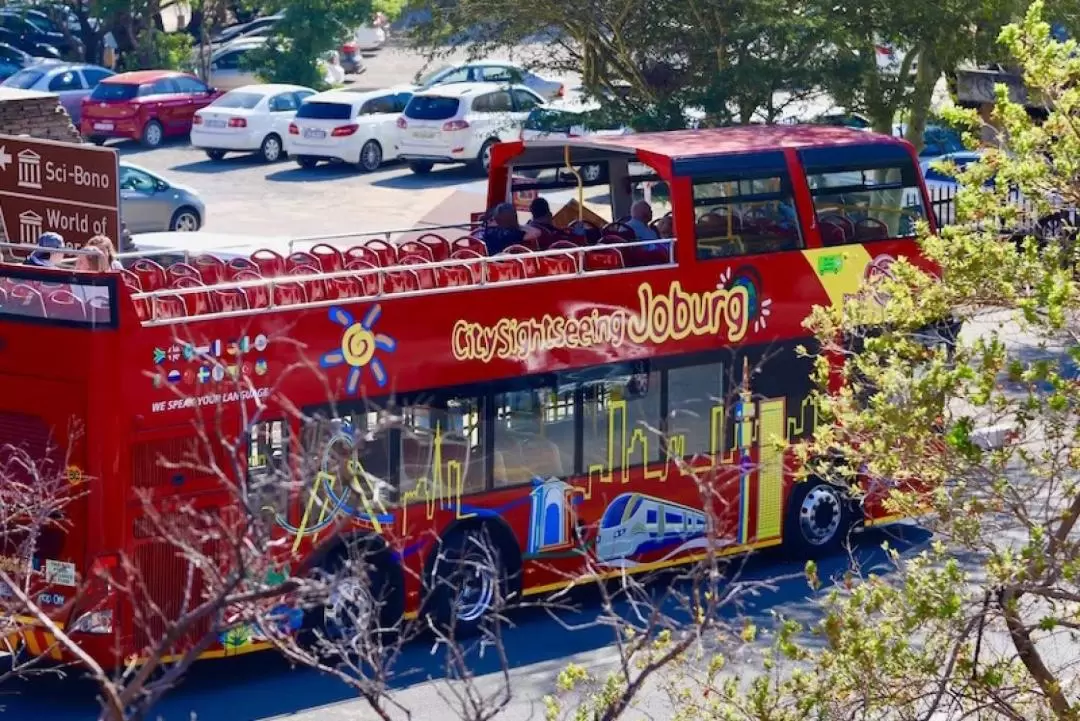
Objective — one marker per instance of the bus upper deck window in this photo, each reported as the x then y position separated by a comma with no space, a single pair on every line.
745,216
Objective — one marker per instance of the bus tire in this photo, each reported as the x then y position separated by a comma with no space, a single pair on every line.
363,598
467,580
818,519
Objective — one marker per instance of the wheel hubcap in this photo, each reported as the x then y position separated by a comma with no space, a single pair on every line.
153,135
819,515
476,591
186,222
271,149
350,608
372,156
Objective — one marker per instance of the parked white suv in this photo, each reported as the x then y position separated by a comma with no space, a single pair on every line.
346,126
461,122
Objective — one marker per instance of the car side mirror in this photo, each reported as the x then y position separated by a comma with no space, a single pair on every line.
160,186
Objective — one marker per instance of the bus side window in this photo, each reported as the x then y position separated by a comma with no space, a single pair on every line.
534,434
696,404
745,215
621,414
876,195
268,465
347,457
453,427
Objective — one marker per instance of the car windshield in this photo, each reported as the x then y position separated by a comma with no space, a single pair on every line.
114,91
434,75
431,107
236,99
324,111
24,79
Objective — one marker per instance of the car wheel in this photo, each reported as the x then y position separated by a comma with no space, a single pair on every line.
97,140
185,220
152,134
271,150
371,156
215,154
306,161
591,173
421,167
483,160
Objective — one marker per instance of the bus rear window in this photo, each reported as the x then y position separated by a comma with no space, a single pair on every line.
57,302
864,198
745,216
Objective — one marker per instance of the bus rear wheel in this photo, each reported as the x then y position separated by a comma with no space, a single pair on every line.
467,582
360,603
819,517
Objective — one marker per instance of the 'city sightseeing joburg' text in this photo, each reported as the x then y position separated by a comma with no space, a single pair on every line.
660,317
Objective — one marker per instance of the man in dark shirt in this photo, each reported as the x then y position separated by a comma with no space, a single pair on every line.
541,215
506,231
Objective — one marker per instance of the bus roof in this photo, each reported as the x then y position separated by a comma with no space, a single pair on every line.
739,139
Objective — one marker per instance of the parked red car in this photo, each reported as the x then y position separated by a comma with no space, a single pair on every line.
147,105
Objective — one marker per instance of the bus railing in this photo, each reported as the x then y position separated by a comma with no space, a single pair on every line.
480,274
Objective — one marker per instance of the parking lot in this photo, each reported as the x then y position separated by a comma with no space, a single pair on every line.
243,195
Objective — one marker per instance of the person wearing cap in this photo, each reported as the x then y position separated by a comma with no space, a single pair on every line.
42,258
505,230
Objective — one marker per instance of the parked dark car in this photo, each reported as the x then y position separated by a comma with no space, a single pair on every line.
12,60
32,35
146,105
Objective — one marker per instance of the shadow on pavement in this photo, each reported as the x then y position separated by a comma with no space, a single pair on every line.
132,149
440,177
262,685
233,161
293,173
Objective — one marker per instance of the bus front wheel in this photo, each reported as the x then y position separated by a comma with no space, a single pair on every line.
467,582
819,517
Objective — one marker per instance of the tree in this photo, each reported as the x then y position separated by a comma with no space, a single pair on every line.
308,30
983,623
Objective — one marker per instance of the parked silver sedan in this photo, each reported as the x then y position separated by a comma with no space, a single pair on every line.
149,203
70,81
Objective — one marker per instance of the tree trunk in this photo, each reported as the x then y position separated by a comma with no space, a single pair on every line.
926,77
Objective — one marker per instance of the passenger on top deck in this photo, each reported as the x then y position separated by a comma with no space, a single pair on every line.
45,259
541,215
506,231
640,217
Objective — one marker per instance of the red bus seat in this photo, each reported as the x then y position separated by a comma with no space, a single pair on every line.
561,264
438,245
211,268
655,254
131,280
229,299
531,267
301,259
345,287
832,233
424,276
476,271
386,252
329,257
603,259
269,262
258,296
871,229
288,293
314,289
400,281
62,304
151,275
196,303
455,276
502,270
846,224
370,281
359,252
27,301
560,244
98,310
235,266
168,306
469,243
620,229
3,296
412,248
182,270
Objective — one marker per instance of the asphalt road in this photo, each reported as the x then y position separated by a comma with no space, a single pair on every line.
262,687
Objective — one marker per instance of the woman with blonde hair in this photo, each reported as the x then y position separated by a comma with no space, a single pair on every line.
104,259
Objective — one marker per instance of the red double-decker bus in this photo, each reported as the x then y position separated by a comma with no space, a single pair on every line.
587,402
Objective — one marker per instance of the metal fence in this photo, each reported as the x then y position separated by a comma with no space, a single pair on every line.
1029,218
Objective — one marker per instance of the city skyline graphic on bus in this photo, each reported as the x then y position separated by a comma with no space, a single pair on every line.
359,345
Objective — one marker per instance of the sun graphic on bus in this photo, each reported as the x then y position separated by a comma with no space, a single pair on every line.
758,307
358,345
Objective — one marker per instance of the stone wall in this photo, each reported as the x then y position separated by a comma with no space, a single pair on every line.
40,115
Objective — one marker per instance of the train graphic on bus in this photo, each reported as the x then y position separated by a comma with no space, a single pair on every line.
634,524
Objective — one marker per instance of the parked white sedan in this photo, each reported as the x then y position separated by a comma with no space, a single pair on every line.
253,118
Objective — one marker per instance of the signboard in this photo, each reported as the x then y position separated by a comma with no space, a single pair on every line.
70,189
